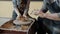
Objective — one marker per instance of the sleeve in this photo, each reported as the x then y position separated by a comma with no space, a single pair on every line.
14,3
28,3
44,7
27,7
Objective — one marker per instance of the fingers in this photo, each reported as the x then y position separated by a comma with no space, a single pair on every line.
24,15
17,17
35,12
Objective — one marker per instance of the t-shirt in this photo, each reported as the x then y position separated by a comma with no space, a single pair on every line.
53,7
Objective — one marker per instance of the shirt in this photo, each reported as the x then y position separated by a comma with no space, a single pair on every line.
53,7
45,8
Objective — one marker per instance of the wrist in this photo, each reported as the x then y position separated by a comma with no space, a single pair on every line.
45,15
18,15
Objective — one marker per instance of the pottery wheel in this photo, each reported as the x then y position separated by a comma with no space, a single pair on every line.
19,22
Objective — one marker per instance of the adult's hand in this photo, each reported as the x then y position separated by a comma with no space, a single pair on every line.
39,13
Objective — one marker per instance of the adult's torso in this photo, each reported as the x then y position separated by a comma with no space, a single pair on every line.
53,8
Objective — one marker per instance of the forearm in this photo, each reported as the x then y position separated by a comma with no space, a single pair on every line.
27,8
53,16
27,5
15,7
17,11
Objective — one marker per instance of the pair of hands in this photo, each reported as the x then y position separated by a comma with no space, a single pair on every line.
39,13
52,16
18,17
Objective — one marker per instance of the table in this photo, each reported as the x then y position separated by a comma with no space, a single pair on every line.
30,30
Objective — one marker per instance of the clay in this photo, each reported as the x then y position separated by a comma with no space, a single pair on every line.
7,25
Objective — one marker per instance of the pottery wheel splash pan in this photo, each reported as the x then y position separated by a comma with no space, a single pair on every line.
9,26
19,22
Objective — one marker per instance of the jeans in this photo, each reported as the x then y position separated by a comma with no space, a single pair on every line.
43,28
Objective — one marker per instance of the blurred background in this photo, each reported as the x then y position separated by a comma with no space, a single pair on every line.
6,7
